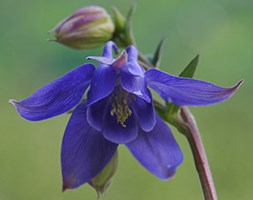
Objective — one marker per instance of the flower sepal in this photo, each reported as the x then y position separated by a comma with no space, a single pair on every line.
188,72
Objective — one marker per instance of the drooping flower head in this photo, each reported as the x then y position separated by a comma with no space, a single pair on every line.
118,110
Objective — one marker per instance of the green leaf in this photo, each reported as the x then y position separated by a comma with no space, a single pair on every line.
119,21
131,11
128,27
190,69
157,55
188,72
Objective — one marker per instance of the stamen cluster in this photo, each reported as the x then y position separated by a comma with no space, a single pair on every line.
120,100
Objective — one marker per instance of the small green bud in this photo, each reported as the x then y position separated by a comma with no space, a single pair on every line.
88,27
123,35
102,181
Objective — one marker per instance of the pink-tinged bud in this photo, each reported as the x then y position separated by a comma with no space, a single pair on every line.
88,27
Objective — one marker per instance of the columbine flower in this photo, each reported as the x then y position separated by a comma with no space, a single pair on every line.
118,110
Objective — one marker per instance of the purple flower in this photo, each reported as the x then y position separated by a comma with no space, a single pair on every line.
118,110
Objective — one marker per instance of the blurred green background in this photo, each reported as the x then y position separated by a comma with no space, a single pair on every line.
221,31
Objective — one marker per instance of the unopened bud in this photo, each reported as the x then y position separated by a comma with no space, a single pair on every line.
88,27
123,31
102,181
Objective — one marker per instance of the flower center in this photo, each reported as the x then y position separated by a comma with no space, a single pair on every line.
120,101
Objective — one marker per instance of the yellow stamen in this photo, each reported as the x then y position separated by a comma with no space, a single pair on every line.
120,107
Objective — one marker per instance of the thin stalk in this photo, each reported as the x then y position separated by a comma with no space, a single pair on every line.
198,151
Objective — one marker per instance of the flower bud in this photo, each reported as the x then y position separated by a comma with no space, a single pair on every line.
88,27
102,181
123,35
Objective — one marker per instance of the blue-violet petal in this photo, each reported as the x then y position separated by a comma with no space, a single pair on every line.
102,60
107,57
187,91
116,132
157,150
56,97
136,85
85,152
96,113
102,84
109,46
144,113
133,67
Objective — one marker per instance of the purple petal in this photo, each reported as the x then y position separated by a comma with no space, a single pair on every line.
121,61
102,84
56,97
107,54
144,113
133,67
132,53
102,60
96,113
128,62
115,132
157,150
136,85
108,49
84,152
186,91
